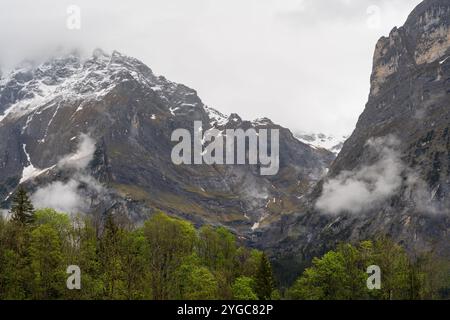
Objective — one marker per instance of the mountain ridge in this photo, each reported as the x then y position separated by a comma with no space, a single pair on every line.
130,113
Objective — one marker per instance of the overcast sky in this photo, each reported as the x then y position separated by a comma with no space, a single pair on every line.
303,63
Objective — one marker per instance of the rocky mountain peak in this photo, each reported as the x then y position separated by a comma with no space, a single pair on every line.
234,117
113,108
428,27
426,12
32,85
425,38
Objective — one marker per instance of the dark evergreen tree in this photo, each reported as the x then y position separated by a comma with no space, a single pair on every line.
110,255
22,210
264,280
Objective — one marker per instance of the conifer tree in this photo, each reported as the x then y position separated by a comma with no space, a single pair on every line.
264,280
111,259
22,209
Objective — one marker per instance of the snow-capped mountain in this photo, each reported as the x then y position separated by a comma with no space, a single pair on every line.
31,87
333,143
94,135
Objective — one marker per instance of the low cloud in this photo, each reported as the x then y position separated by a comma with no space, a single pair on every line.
63,197
368,186
82,157
72,196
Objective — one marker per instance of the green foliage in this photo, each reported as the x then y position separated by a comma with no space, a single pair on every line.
169,241
110,259
217,247
396,270
167,258
135,265
341,274
243,289
217,250
15,275
194,281
247,261
85,253
47,266
328,279
58,221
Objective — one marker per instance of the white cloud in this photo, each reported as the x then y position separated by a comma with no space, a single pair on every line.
82,157
362,189
369,186
63,197
72,196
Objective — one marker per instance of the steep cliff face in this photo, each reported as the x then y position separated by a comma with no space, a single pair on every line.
410,92
95,136
392,176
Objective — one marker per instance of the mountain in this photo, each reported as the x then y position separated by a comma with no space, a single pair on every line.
94,135
392,176
333,143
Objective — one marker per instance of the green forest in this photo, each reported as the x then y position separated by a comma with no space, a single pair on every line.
168,258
